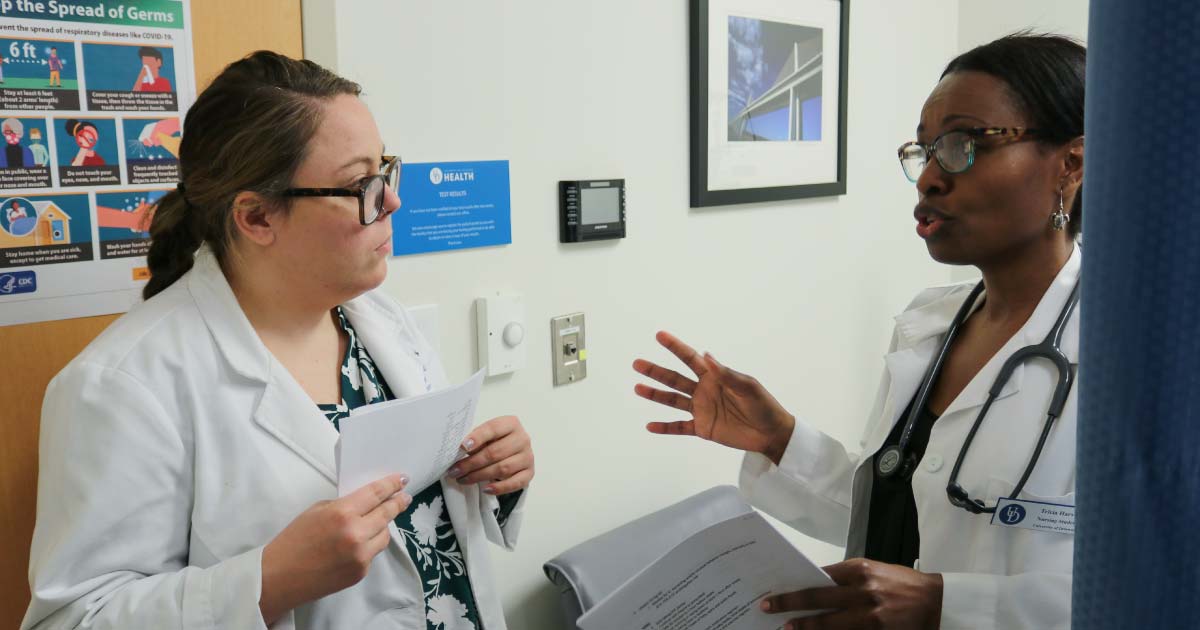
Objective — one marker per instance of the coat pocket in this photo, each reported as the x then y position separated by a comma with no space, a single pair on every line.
1010,550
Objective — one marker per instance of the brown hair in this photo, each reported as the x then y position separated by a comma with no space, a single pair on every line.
247,131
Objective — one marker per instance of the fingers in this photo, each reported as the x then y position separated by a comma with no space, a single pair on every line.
516,482
380,540
670,378
498,460
386,511
499,471
670,399
731,378
368,497
489,431
850,571
821,598
682,427
682,351
515,444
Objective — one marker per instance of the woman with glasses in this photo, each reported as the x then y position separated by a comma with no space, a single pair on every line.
187,472
957,509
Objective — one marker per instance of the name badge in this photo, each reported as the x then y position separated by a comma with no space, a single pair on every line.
1046,517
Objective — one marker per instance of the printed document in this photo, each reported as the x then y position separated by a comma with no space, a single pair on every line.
714,580
420,437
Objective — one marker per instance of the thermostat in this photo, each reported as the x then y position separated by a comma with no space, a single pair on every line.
591,210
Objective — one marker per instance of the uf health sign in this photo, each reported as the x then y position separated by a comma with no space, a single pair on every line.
452,205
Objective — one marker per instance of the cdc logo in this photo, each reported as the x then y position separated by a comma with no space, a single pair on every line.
18,282
435,175
1012,514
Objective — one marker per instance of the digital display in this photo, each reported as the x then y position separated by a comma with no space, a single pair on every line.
600,205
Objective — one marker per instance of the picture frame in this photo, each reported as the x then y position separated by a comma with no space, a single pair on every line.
767,100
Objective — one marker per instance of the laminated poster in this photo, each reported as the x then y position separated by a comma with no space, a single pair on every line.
92,94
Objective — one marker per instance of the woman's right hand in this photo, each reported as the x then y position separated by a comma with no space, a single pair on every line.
329,547
727,407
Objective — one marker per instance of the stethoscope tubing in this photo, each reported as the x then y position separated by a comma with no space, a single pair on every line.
896,457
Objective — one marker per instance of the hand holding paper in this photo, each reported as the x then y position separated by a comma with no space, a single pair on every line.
714,580
501,453
418,437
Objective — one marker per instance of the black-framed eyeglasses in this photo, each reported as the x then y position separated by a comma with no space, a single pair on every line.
371,191
955,149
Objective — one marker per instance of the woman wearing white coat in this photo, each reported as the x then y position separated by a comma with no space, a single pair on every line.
187,475
998,166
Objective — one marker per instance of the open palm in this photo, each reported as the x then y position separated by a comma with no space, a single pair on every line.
727,407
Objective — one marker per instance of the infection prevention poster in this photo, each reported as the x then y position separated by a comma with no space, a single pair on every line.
92,93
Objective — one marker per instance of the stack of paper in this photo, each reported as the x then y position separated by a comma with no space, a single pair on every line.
714,580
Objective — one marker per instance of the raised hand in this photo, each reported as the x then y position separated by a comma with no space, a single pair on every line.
727,407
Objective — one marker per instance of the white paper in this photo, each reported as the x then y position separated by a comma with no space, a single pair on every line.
714,580
419,437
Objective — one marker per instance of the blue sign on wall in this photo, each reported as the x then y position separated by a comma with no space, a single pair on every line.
452,205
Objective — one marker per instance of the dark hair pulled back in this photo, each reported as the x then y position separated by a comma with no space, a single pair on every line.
1045,76
247,131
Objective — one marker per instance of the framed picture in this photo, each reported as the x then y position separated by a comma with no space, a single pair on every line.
768,100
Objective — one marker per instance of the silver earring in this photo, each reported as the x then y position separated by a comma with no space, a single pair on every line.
1060,218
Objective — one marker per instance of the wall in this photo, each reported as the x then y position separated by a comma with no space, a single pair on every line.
800,294
981,21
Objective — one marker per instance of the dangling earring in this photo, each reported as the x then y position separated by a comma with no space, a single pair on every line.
1060,218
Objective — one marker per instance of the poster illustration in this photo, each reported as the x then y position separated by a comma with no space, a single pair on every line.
152,150
87,151
44,230
124,221
37,74
126,77
25,161
92,96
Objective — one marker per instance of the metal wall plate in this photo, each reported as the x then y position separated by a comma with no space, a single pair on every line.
568,347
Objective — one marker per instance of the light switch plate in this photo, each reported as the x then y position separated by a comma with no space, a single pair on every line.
500,332
568,347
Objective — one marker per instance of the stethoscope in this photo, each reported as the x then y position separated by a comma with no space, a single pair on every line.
893,460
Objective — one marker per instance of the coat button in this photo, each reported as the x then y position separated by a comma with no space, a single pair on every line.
933,462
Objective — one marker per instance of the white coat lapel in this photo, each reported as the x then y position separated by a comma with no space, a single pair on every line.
905,369
286,412
285,409
391,345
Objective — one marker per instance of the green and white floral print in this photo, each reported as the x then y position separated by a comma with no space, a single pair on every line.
426,528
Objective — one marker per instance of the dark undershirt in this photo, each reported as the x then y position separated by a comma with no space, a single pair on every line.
892,534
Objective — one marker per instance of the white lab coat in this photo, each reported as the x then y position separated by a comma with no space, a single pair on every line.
995,577
175,446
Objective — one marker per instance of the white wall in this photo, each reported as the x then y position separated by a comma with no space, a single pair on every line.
981,21
800,294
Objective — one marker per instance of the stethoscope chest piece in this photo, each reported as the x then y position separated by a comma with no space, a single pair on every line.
888,461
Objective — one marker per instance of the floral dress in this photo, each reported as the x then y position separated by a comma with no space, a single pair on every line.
426,528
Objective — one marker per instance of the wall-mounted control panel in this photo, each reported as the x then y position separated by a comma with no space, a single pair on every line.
591,210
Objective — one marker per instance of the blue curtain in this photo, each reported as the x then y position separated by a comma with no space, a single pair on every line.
1137,544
